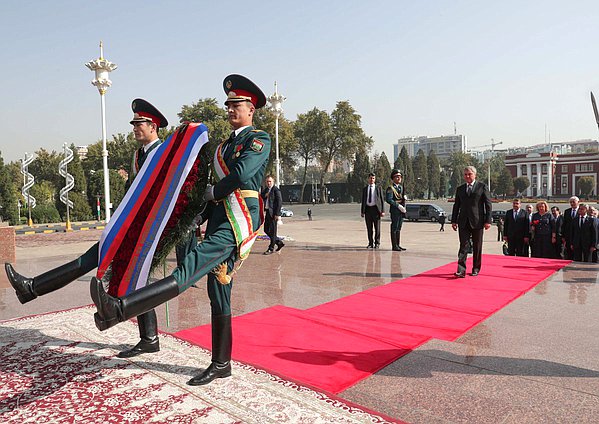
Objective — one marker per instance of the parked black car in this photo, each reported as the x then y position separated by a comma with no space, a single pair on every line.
497,214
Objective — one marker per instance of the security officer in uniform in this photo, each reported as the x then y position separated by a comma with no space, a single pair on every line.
396,198
146,121
239,164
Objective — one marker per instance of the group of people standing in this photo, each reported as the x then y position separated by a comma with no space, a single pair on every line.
547,233
373,209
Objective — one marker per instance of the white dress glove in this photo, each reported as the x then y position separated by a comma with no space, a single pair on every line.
209,193
401,208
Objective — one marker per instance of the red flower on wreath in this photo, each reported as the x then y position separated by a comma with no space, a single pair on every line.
536,222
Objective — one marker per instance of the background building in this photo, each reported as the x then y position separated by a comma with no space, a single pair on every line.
443,146
552,174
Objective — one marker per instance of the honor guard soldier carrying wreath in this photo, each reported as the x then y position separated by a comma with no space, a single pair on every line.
234,217
396,199
146,122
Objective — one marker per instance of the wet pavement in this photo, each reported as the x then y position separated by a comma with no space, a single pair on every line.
536,360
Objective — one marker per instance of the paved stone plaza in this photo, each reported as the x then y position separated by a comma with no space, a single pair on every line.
536,360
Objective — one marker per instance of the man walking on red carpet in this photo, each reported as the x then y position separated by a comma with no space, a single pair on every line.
472,215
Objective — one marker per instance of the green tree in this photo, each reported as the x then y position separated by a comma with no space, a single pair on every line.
347,136
420,170
45,167
442,184
356,179
96,188
265,120
81,209
310,129
505,183
434,175
44,214
407,175
521,184
382,168
45,193
210,114
585,186
9,209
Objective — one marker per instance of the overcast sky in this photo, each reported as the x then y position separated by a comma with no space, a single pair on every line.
503,70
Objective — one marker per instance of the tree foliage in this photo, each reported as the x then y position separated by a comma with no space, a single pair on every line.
420,170
310,130
265,120
342,143
434,175
585,185
407,174
521,184
9,209
381,168
505,183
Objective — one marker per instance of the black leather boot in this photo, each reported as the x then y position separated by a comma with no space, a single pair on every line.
397,237
222,342
29,288
148,332
394,243
112,310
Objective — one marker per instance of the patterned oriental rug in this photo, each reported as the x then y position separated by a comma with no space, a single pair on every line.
57,368
335,345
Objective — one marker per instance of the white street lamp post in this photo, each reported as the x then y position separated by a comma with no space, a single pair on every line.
276,105
102,68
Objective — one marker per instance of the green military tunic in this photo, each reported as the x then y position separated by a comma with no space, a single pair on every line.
246,156
395,196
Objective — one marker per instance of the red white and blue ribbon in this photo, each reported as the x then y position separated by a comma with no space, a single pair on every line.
130,239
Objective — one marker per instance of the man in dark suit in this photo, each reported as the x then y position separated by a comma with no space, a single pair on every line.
372,210
594,215
271,196
569,215
582,236
515,230
472,215
559,221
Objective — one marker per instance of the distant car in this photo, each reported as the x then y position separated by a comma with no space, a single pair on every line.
286,212
497,214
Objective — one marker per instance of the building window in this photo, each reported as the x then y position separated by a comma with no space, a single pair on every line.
564,184
584,167
544,168
564,169
524,169
533,168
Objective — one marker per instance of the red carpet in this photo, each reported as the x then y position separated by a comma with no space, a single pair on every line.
333,346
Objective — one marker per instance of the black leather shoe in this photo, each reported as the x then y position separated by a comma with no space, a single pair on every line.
215,370
280,245
402,248
396,249
474,272
144,346
460,274
370,246
376,246
109,308
22,285
268,252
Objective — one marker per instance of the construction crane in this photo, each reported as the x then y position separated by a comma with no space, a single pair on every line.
492,146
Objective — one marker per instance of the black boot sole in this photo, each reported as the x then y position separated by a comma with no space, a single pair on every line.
102,324
138,351
200,381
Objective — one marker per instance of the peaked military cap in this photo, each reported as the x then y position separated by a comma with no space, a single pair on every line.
240,89
395,172
143,111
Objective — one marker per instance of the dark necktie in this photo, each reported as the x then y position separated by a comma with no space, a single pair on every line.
469,189
581,221
369,194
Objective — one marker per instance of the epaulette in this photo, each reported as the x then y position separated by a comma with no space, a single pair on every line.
257,131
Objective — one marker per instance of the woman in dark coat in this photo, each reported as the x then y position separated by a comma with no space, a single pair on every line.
542,230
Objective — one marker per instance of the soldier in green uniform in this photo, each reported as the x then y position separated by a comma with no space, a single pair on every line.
146,121
239,165
396,198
